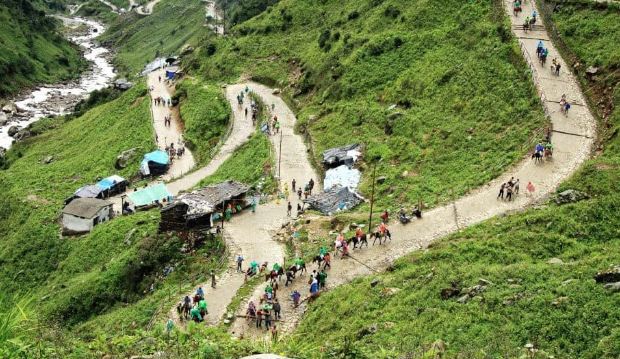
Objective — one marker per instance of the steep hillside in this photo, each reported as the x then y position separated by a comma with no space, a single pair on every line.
531,296
440,96
31,48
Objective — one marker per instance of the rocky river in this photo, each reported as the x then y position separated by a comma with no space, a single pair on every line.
60,99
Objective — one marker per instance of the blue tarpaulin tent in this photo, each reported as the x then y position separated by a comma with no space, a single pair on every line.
155,162
110,182
149,195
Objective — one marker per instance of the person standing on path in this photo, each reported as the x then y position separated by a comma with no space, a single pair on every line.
296,297
530,189
239,262
276,309
516,186
254,205
501,191
212,280
293,183
322,278
289,208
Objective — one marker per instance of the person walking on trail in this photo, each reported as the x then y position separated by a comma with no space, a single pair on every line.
501,191
296,296
311,185
200,293
159,78
299,193
195,315
276,309
289,278
212,279
327,260
322,279
293,183
239,262
516,187
509,193
277,126
530,189
246,112
228,213
385,216
314,288
289,208
285,191
202,306
253,205
267,315
259,318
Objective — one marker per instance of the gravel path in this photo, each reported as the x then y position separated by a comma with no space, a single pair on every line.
172,134
251,234
572,137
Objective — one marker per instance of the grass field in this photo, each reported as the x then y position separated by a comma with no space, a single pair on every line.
205,113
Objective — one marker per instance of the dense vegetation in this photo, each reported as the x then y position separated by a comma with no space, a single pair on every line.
32,50
238,11
403,78
556,307
206,114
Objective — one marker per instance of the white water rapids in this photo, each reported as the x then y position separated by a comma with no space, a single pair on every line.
60,99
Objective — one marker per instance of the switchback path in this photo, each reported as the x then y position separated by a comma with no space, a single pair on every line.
573,138
172,134
251,234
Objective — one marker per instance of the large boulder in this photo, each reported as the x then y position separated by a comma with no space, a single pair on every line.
125,157
3,119
122,84
9,108
13,130
611,275
613,287
570,196
22,135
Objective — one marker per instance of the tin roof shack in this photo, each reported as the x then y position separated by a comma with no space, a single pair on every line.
334,199
82,214
195,210
346,155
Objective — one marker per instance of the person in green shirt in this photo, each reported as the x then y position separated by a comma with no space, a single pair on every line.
322,277
195,315
228,214
276,267
322,252
268,289
253,205
202,306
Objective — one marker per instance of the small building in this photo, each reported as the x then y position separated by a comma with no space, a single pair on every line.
105,188
346,155
334,199
82,214
201,208
149,197
155,163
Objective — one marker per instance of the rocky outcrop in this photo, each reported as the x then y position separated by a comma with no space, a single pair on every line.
570,196
611,275
125,157
13,130
9,108
3,119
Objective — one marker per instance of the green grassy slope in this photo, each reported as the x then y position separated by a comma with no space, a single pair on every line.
205,113
140,39
31,48
465,105
558,308
83,149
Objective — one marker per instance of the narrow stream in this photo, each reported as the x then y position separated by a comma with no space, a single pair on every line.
60,99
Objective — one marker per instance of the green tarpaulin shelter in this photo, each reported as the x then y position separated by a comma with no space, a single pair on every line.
149,195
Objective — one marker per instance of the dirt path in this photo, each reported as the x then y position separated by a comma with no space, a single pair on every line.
250,234
147,9
172,134
572,138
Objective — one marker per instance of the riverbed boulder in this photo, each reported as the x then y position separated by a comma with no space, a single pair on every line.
13,130
125,157
3,119
2,153
613,287
22,134
9,108
122,84
570,196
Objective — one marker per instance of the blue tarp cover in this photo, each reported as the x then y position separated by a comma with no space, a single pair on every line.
109,182
157,156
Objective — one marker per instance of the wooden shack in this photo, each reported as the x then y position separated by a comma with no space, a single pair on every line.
195,210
